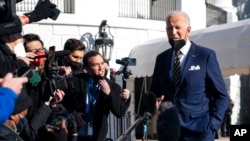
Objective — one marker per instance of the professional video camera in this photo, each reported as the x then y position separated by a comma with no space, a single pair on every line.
125,71
10,22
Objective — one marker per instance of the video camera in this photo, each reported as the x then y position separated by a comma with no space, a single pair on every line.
125,71
126,61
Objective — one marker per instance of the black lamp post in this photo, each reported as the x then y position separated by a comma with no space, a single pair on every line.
104,41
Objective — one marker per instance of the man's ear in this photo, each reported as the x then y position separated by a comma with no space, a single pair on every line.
189,29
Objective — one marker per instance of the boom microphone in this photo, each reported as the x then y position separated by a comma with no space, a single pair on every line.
62,53
57,54
148,104
168,124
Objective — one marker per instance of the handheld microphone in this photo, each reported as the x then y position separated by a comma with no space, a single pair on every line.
168,124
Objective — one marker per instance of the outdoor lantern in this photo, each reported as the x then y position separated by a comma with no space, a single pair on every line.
104,41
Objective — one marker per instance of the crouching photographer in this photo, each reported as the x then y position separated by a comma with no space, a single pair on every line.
61,126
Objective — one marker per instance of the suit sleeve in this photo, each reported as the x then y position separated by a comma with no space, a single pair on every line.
217,88
155,86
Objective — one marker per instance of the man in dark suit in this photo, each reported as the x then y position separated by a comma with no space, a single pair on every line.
91,97
200,96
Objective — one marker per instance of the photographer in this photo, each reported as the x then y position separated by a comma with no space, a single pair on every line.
62,134
91,97
41,109
13,56
8,57
10,33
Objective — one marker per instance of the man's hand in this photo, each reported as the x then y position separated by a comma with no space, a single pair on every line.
104,86
158,102
16,84
125,94
58,97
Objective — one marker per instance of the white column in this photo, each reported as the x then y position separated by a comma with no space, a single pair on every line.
197,14
227,6
235,86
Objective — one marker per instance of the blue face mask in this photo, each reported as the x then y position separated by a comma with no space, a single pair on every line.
20,126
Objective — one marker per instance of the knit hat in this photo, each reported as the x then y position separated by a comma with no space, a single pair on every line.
22,102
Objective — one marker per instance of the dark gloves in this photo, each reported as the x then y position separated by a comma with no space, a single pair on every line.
43,10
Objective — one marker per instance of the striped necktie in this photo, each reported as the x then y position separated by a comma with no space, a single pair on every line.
176,71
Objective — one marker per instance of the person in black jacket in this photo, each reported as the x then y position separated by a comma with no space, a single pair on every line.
11,129
225,126
9,61
74,59
91,97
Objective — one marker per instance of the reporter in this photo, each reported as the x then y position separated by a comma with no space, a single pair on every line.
93,97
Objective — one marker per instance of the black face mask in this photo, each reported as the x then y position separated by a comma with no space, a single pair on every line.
75,66
177,44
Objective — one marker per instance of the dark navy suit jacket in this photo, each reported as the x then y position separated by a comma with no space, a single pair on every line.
202,97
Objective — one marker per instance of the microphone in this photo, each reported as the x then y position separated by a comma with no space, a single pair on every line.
148,104
168,124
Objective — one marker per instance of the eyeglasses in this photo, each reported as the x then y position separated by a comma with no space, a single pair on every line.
37,50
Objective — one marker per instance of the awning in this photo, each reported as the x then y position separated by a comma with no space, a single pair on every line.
231,42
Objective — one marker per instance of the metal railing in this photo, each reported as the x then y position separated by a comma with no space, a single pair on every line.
146,9
65,6
158,9
138,9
